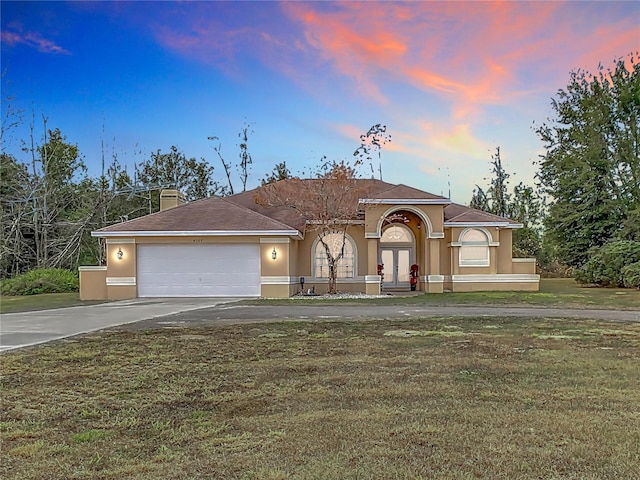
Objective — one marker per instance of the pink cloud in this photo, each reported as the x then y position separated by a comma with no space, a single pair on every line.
33,40
472,54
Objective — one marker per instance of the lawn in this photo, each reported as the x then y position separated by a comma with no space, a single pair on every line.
554,292
446,398
44,301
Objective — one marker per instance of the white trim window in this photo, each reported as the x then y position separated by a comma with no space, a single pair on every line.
474,248
345,266
396,233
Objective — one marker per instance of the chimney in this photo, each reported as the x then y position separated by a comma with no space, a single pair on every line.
170,199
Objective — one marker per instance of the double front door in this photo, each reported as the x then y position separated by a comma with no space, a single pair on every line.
396,262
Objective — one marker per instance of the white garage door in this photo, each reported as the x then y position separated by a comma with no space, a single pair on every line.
198,270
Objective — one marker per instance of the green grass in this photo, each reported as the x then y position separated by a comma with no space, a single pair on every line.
446,398
44,301
554,292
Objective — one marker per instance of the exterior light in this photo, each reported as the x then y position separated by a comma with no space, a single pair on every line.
119,254
274,254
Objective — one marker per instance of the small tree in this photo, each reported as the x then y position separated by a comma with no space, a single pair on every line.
174,170
373,141
243,166
328,203
279,172
523,204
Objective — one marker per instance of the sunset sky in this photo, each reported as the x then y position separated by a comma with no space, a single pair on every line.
451,80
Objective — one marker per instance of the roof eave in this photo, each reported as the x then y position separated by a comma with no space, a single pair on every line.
405,201
484,224
198,233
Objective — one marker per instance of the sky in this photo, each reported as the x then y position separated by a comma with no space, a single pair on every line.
450,80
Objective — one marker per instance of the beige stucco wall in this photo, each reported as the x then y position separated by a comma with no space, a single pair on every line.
275,291
180,239
445,256
505,250
524,265
125,267
121,292
93,283
305,249
121,273
434,214
269,266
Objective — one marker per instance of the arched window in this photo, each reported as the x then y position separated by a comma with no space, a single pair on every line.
345,266
396,234
474,248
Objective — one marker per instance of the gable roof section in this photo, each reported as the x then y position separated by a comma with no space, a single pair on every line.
285,215
291,217
209,216
456,215
402,194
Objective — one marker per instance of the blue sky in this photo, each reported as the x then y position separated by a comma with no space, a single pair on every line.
451,80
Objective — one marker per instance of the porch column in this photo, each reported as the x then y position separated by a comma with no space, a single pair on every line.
435,279
372,279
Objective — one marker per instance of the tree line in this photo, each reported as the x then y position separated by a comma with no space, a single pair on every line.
50,204
585,210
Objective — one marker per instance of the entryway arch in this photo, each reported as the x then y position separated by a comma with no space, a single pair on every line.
397,254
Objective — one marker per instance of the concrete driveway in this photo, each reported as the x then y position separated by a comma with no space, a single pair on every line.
30,328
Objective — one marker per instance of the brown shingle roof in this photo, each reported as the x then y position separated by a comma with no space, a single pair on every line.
403,192
456,213
240,213
212,214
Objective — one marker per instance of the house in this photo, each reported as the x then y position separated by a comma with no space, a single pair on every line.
234,246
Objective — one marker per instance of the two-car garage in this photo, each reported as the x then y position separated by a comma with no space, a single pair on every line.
200,270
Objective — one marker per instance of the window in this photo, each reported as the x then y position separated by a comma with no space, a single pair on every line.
396,234
345,266
474,248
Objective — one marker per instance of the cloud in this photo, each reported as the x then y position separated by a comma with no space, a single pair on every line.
33,40
471,54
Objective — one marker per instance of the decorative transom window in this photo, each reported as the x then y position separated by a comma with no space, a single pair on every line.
396,234
345,266
474,248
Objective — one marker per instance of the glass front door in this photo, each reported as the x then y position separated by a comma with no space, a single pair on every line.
396,262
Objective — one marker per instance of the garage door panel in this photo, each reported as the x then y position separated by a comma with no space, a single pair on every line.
198,270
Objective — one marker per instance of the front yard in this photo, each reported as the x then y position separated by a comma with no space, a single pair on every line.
438,398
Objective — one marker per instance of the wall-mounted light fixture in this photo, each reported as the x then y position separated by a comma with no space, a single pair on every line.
119,254
274,254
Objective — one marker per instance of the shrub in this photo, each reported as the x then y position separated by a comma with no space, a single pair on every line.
631,275
607,262
46,280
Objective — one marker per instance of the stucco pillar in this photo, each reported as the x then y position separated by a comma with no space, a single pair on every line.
275,279
435,278
121,276
372,279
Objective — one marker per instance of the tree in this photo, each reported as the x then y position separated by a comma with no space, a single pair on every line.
328,202
373,141
243,166
523,205
192,177
279,172
591,167
58,171
15,213
245,157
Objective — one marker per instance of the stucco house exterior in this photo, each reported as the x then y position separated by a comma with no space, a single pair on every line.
234,246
